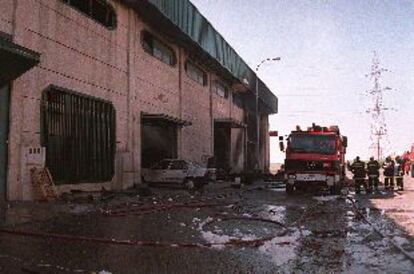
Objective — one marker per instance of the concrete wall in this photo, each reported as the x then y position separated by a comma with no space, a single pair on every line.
77,54
81,55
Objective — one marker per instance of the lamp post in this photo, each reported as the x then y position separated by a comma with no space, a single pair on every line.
266,60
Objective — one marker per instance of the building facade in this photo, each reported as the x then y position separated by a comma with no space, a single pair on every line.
97,90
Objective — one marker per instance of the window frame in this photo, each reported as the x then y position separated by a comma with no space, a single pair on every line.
165,49
197,69
113,23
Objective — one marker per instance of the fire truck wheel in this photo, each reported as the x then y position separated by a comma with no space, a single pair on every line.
335,189
289,189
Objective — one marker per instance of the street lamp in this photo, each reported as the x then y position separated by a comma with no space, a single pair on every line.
266,60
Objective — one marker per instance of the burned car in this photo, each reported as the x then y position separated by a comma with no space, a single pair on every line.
176,171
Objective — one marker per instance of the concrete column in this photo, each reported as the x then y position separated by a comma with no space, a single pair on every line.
16,112
180,103
131,158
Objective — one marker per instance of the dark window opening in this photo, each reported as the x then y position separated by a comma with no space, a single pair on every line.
196,73
221,90
158,49
99,10
79,135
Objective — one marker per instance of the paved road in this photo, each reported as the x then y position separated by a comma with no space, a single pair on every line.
222,231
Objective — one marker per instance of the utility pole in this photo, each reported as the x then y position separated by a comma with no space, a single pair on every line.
378,124
376,146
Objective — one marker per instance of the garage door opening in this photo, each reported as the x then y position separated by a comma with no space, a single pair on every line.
222,145
159,138
228,144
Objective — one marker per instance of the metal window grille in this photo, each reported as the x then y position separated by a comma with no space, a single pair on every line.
79,135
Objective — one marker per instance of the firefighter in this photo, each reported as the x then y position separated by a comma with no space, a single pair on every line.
399,173
407,166
358,169
373,168
406,162
389,173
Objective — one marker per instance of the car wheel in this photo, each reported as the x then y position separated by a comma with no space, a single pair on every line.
189,184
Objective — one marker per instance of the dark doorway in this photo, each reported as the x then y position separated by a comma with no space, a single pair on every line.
222,145
4,133
159,141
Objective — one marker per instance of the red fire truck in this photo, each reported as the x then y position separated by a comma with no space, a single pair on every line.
315,158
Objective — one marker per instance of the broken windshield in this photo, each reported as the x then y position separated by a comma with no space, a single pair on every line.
322,144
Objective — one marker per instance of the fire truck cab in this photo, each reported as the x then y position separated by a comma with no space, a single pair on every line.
315,158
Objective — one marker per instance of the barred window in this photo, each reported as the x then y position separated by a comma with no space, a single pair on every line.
78,132
196,73
99,10
221,90
158,49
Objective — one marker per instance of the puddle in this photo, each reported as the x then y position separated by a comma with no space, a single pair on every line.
282,250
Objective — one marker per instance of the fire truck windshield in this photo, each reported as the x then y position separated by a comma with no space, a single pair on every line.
323,144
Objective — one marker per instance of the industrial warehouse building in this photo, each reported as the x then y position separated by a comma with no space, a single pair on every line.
97,90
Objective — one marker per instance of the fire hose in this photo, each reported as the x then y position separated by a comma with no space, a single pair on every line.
66,237
122,212
152,209
233,242
146,210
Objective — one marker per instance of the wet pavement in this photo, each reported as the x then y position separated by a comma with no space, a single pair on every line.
254,229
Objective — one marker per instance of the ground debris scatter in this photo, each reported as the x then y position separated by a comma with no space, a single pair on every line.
219,230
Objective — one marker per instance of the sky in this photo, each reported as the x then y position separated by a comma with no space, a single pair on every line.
326,50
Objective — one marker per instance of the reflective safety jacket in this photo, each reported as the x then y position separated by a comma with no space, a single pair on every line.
373,168
398,171
358,169
389,168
